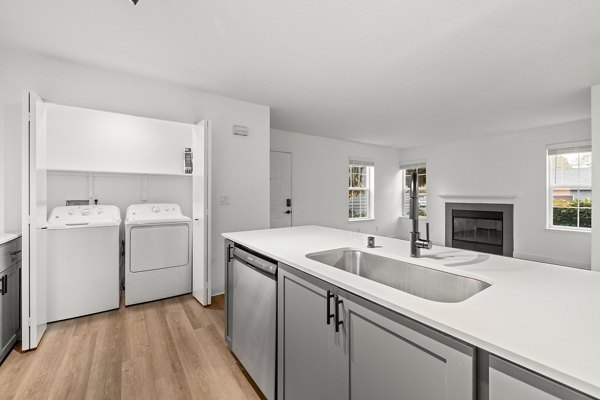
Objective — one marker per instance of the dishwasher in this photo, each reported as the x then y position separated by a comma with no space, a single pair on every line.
252,314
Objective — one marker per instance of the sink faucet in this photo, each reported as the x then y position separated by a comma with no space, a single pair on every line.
416,243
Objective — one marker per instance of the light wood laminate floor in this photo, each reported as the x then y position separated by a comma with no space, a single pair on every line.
168,349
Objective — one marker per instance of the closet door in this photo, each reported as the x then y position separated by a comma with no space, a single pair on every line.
34,174
201,276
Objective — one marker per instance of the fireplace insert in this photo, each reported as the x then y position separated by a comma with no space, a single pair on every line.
478,230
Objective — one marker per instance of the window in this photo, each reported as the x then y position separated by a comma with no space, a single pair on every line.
407,171
570,186
360,190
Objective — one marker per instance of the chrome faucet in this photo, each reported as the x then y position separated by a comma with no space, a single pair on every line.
416,243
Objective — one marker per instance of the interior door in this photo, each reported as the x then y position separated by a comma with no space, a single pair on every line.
201,274
281,189
34,211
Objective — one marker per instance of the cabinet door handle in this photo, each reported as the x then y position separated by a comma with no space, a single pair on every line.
329,314
3,288
337,314
229,253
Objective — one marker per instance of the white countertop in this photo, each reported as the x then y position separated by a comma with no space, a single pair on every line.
541,316
7,237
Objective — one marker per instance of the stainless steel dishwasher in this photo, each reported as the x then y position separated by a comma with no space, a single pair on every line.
252,314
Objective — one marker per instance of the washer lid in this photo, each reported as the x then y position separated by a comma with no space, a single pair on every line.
155,213
84,217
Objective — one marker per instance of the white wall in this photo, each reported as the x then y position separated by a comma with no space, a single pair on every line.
506,164
240,164
120,190
320,182
10,199
596,175
3,155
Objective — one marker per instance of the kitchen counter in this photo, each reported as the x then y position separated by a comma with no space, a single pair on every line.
541,316
7,237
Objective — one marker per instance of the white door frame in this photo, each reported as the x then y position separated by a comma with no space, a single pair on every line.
201,210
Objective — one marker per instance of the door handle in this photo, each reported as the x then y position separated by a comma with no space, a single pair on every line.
337,313
13,254
329,314
3,286
288,212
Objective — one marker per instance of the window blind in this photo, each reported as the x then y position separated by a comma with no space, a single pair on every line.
557,150
362,162
413,164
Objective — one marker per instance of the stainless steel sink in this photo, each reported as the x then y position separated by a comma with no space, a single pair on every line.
428,283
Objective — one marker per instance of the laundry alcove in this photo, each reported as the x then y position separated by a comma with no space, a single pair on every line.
74,153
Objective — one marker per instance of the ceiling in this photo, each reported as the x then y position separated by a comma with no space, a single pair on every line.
391,72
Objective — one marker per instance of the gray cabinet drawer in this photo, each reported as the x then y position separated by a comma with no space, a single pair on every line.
10,253
508,381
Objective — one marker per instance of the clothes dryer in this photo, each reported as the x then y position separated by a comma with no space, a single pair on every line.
158,252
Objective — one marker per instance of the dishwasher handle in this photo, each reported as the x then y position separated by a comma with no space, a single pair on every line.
255,261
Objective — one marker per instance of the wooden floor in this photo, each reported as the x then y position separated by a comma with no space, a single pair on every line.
169,349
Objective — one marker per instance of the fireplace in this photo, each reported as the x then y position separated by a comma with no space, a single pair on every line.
481,227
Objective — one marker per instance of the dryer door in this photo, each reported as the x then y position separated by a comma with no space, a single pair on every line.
159,246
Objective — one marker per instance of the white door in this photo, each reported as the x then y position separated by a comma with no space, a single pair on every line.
281,189
201,276
34,283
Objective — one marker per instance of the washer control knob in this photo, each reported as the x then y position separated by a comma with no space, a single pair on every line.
155,209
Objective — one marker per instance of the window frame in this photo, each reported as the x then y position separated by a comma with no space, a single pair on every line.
584,145
404,213
370,189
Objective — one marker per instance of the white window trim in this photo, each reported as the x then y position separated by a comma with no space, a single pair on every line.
371,188
412,165
549,194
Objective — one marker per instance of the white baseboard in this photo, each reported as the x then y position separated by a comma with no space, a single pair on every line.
552,260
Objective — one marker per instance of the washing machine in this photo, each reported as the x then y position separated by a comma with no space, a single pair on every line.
82,260
158,252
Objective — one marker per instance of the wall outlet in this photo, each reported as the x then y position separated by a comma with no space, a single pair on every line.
224,200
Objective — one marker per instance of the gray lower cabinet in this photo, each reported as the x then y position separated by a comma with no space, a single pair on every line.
309,348
393,357
376,354
10,266
508,381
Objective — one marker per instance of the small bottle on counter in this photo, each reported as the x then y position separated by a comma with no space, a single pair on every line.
371,242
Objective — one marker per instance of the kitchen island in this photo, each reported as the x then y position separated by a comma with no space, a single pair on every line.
542,317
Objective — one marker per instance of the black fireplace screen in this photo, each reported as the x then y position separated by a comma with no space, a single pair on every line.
477,230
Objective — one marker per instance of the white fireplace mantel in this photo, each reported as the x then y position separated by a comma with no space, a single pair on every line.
478,198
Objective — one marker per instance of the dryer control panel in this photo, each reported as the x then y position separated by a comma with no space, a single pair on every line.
158,212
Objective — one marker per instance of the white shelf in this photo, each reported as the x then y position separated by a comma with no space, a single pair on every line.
74,171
